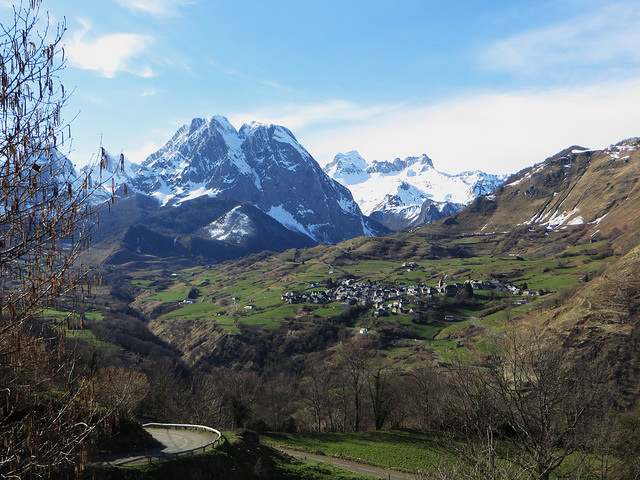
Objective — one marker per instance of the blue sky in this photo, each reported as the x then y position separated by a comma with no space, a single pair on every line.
490,85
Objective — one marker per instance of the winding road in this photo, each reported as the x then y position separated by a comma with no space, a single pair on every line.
179,440
174,441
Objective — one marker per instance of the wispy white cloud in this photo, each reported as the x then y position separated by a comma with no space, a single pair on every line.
148,93
332,112
109,54
141,152
157,8
607,36
235,73
494,132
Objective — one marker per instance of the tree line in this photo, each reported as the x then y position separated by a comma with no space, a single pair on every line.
523,411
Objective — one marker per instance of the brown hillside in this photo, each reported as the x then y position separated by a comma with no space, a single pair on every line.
600,321
596,190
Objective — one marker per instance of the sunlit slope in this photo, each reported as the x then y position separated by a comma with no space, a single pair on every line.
594,192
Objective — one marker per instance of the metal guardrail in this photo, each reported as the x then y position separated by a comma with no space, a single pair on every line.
179,426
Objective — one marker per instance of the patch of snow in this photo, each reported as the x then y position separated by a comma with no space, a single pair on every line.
348,205
199,192
348,169
283,216
283,135
565,218
233,226
614,151
163,198
556,219
371,184
598,220
304,211
365,228
536,168
317,234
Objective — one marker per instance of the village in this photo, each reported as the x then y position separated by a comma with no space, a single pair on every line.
396,300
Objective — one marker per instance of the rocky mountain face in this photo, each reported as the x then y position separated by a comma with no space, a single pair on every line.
260,165
410,192
203,229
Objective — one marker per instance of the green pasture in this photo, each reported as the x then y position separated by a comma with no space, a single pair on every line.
87,335
144,284
411,452
228,324
328,310
94,316
176,293
420,331
277,313
195,311
509,313
268,324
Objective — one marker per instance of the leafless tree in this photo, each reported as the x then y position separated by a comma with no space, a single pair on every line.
548,400
381,392
472,419
278,402
354,362
242,389
529,407
423,390
322,391
205,403
119,389
165,383
314,391
45,220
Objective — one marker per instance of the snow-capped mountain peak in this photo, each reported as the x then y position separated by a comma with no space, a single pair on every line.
349,167
391,190
260,164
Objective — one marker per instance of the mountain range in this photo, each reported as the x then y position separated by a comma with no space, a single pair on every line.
257,188
406,193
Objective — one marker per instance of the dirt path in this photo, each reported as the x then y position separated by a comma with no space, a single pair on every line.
354,467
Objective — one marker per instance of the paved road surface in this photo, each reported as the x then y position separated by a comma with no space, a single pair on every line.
351,466
173,441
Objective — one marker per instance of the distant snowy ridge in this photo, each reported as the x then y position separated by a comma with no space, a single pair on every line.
398,192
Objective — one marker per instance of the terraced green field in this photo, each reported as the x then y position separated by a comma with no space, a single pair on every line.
229,295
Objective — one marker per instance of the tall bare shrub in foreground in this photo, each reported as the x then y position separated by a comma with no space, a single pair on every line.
528,410
44,219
